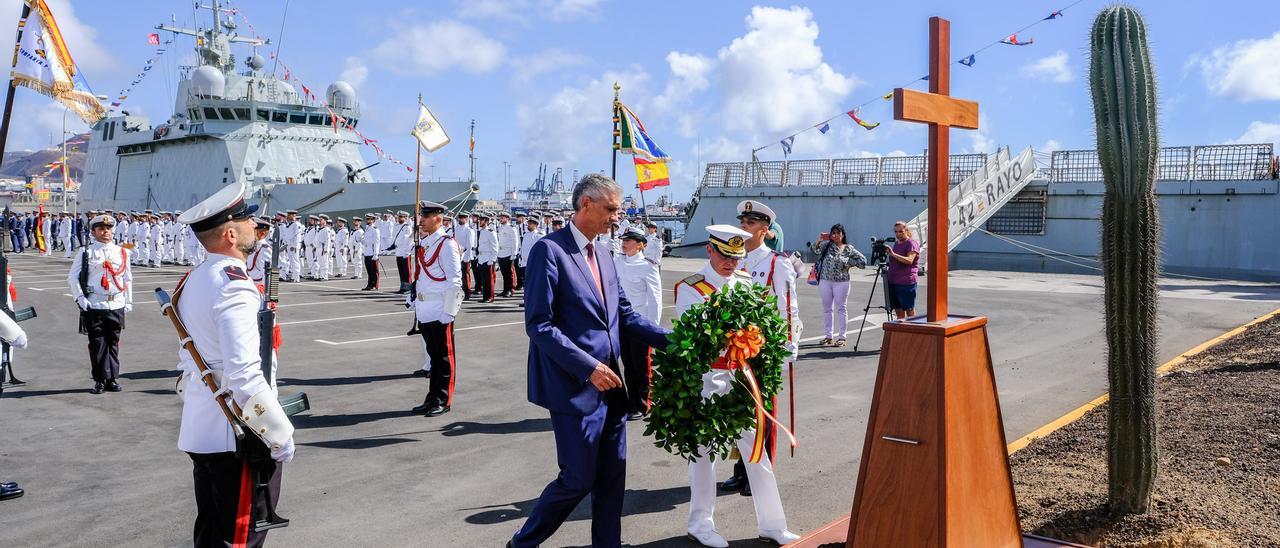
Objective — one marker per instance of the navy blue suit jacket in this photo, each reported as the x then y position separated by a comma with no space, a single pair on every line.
570,331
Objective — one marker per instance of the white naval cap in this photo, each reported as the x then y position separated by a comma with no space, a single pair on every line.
633,233
402,212
102,220
427,207
756,210
225,205
729,240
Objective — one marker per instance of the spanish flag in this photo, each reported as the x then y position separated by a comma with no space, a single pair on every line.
651,174
40,235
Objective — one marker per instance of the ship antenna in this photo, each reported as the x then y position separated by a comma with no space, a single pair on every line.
280,38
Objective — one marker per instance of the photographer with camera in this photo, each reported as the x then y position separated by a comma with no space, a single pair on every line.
903,257
831,272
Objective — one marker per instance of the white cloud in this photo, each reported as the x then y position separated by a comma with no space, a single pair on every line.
355,72
1052,145
526,9
490,9
1050,69
773,78
566,9
525,69
980,139
1259,132
1246,70
688,76
574,122
425,49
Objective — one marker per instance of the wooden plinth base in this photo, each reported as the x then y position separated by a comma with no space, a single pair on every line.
934,470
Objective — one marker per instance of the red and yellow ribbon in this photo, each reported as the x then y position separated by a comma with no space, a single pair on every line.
742,345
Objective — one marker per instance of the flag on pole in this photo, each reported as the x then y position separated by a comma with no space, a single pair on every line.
650,174
41,62
824,128
153,39
786,145
970,60
1012,40
870,126
40,245
428,130
634,140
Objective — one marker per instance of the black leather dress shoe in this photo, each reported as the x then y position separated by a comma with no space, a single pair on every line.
437,410
735,483
113,386
421,373
635,416
11,492
426,405
746,490
9,484
97,388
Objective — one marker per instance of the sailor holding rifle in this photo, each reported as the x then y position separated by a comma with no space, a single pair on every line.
236,476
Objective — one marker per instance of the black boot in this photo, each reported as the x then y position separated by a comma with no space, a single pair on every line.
734,483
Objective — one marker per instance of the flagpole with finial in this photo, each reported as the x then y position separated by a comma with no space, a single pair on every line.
417,196
617,113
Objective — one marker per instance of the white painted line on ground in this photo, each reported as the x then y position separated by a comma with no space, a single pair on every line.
346,318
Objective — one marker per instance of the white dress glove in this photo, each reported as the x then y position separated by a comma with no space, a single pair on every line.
82,302
20,341
284,454
716,382
128,308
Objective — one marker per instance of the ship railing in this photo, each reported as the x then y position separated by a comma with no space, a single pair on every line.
875,170
1236,162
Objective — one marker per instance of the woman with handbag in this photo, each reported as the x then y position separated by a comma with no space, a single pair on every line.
831,275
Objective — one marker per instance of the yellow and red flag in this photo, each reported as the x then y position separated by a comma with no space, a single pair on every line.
651,174
40,245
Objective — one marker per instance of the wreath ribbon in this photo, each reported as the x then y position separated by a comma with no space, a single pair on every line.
744,344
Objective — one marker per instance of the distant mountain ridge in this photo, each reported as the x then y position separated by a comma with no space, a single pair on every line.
22,164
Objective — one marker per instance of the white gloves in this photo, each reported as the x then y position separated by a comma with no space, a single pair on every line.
716,382
408,300
20,341
82,302
284,454
128,308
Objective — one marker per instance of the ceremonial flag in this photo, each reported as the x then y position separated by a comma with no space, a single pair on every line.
1012,40
824,128
1056,14
634,140
42,63
429,132
870,126
153,39
969,61
40,245
786,145
650,174
473,143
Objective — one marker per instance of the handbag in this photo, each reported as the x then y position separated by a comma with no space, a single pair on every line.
814,277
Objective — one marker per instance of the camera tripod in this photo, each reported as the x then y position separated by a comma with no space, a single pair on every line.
881,275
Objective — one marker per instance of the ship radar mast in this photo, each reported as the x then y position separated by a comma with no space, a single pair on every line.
214,44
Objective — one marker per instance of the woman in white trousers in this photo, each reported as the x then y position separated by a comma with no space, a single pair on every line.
835,258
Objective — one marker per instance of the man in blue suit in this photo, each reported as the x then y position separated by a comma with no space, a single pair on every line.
575,312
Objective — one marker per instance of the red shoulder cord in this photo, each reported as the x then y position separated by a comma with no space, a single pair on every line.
422,265
112,274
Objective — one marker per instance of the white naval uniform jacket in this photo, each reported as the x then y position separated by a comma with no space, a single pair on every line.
342,241
108,290
371,242
526,246
402,238
122,233
466,237
324,241
259,261
508,241
715,381
437,270
775,272
487,246
355,240
291,234
653,248
219,306
642,284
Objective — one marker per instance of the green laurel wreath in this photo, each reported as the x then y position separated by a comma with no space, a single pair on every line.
680,421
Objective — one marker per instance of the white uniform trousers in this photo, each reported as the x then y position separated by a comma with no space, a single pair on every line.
325,266
764,491
344,259
357,262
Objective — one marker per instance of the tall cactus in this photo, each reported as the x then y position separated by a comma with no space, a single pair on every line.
1124,109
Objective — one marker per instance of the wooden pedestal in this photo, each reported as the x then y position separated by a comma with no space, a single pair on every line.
935,472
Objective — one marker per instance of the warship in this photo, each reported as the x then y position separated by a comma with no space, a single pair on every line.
245,127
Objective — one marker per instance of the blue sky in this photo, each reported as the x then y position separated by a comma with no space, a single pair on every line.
711,80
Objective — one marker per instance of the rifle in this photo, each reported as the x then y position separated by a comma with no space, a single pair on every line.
296,403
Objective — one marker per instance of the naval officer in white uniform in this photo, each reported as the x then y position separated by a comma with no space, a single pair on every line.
435,298
101,281
218,303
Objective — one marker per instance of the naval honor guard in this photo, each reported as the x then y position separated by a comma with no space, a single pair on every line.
101,280
436,297
726,246
236,481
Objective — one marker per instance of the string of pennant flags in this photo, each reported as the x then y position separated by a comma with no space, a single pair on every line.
969,60
338,120
153,39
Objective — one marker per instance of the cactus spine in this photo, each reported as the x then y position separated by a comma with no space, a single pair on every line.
1124,108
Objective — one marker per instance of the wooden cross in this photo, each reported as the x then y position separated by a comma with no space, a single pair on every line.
942,112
